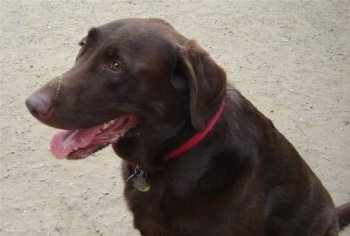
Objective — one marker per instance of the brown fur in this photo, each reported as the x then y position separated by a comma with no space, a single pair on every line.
244,178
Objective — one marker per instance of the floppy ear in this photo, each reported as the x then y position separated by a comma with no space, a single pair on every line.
205,81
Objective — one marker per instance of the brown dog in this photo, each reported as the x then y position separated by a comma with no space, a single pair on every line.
199,158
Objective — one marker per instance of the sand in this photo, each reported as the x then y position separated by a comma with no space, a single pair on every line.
290,58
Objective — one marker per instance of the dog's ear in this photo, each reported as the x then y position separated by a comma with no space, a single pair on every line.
205,81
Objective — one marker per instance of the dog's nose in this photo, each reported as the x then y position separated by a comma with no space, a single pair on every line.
39,106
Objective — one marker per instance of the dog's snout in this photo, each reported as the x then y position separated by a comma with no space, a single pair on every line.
39,106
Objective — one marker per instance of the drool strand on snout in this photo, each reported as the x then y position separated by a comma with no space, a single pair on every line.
58,88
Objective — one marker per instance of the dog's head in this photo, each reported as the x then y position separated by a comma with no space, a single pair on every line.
133,76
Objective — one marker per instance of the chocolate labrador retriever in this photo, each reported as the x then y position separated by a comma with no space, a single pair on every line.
198,157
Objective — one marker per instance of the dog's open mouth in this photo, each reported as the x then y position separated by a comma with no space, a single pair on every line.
75,144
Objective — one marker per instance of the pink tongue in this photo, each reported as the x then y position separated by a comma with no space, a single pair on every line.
64,142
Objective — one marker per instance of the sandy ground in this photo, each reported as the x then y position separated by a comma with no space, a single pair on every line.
290,58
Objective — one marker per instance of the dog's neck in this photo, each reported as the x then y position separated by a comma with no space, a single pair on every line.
196,138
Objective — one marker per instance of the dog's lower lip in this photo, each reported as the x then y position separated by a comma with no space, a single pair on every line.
75,155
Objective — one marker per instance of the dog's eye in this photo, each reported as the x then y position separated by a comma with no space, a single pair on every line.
115,66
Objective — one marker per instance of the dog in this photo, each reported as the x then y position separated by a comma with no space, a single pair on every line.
198,157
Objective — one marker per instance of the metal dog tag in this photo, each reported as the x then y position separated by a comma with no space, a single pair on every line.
140,183
138,179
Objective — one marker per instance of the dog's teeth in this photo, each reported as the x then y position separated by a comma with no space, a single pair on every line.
76,148
99,131
105,126
111,122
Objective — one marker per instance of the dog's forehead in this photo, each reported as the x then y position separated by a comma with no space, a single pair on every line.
137,27
128,37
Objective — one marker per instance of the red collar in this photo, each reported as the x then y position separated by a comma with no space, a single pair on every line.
196,138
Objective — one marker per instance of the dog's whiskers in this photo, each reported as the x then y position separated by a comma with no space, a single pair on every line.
58,88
